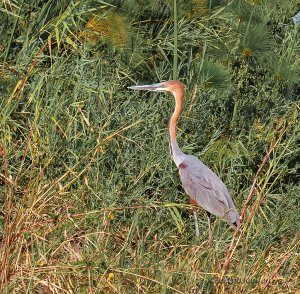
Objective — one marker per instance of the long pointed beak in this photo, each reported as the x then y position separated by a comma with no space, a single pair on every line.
153,87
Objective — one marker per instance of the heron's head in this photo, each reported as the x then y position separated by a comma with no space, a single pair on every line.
233,218
168,86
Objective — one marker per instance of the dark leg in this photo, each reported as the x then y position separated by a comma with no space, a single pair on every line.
195,214
209,227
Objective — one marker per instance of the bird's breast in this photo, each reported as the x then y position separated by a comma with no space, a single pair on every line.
182,165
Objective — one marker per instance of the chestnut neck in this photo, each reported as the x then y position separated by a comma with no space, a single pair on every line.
174,148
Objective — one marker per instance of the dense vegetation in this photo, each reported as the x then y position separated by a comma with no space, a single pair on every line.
91,200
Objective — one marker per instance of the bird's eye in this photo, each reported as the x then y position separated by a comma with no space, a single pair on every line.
235,224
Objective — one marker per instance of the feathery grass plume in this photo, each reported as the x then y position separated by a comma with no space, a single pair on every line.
255,41
112,29
245,11
286,70
211,74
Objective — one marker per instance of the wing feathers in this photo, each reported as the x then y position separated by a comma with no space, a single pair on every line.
206,188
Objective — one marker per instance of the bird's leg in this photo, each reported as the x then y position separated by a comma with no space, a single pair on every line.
195,214
209,227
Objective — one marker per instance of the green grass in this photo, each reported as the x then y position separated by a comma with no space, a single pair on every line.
91,200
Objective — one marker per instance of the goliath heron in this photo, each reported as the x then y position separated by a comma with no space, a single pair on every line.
202,185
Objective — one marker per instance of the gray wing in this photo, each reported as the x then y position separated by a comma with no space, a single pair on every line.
204,186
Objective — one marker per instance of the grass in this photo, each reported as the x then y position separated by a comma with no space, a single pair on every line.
91,200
